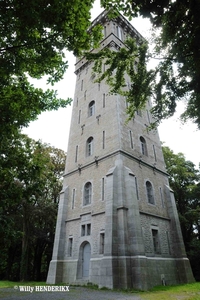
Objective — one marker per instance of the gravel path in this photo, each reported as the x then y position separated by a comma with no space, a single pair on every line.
74,293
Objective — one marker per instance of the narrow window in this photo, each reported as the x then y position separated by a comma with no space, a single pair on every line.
168,241
70,245
161,197
103,189
92,77
148,116
99,86
76,154
91,108
127,104
82,230
77,101
136,187
104,32
73,198
103,140
149,190
119,34
79,116
143,146
104,100
156,246
88,229
89,146
85,95
139,112
131,139
136,66
154,153
87,193
102,238
81,84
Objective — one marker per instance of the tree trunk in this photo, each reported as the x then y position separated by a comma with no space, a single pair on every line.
39,251
25,245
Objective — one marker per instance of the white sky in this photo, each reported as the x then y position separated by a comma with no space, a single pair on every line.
53,127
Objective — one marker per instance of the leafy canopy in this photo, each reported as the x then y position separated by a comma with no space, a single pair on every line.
34,38
184,179
35,35
177,47
30,180
126,73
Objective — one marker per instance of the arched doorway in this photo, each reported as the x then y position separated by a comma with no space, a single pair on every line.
86,260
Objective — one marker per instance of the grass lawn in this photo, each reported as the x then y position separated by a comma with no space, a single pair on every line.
11,284
181,292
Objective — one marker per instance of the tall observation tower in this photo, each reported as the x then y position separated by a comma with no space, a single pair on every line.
117,223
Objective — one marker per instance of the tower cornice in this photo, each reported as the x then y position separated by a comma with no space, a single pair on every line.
121,20
138,159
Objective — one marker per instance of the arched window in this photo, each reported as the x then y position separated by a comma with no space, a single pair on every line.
143,146
91,108
150,195
89,146
87,193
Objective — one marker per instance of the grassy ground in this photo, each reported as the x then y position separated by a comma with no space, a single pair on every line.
181,292
11,284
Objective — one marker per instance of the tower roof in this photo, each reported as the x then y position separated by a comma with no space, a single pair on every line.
113,37
121,21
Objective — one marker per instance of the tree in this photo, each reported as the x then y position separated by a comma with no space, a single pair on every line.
129,61
184,179
177,76
30,185
34,38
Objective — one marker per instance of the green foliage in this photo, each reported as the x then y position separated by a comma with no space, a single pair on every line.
34,39
126,7
186,291
21,103
176,46
125,72
194,257
34,35
184,180
30,179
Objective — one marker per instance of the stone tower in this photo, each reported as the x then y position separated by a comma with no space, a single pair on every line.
117,223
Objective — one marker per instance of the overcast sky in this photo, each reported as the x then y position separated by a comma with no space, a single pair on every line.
53,127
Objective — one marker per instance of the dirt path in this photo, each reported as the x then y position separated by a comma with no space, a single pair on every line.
74,293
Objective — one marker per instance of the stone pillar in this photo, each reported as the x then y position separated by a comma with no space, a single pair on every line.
124,262
137,262
55,273
110,247
184,272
